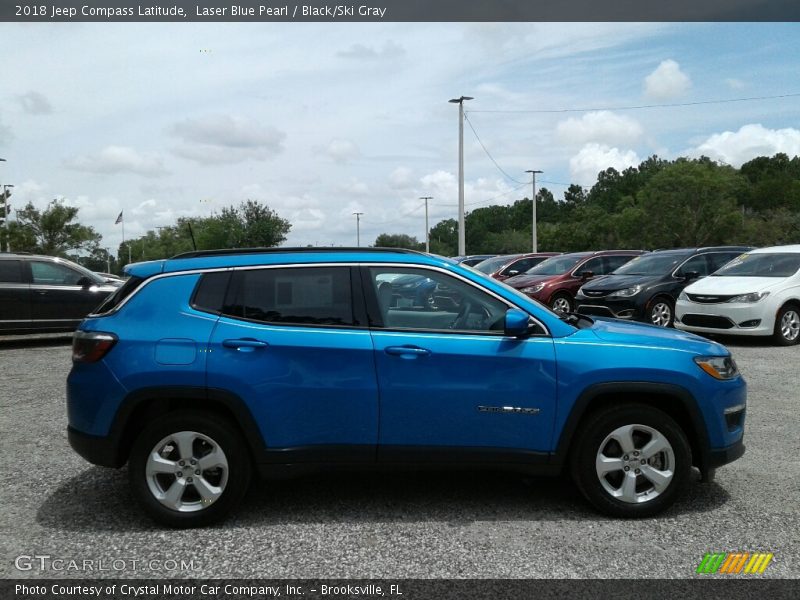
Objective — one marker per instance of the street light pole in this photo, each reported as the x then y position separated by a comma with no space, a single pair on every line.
358,228
4,196
533,204
462,238
427,231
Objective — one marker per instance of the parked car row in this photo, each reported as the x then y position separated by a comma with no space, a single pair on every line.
749,292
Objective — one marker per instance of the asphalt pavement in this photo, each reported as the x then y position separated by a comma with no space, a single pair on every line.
412,525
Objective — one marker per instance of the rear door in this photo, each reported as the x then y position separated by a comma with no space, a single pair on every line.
15,301
294,346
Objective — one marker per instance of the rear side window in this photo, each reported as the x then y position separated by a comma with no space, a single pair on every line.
10,271
303,296
118,296
210,293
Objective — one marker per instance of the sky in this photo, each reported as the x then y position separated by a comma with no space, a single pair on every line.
321,120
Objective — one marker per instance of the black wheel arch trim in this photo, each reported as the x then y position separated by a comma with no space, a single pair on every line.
688,402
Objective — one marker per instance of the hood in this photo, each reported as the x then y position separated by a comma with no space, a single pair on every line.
732,286
643,334
612,283
521,281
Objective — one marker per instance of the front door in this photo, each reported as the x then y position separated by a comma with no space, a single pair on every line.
451,384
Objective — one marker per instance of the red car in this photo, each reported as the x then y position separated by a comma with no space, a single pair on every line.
508,265
555,281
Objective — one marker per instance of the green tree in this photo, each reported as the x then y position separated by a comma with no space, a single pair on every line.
52,231
398,240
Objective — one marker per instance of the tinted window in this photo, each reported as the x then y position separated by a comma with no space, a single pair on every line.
47,273
210,294
428,300
490,265
306,296
594,265
762,265
119,295
697,264
615,262
522,265
556,265
10,271
720,259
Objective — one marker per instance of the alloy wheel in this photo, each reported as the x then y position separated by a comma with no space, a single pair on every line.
790,325
562,305
661,314
635,463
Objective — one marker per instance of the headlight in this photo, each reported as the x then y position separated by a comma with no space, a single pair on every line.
719,367
533,289
683,296
754,297
627,292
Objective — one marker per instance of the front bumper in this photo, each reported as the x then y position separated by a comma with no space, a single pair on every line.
730,319
723,456
604,306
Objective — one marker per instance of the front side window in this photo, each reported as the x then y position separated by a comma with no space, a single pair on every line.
696,264
47,273
429,300
594,266
296,295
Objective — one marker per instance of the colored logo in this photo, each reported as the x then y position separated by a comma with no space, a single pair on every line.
735,562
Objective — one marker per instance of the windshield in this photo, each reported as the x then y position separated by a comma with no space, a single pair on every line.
556,265
651,264
490,265
779,264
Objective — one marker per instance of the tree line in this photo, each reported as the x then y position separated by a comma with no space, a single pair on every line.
657,204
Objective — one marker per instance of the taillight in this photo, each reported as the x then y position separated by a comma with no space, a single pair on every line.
91,346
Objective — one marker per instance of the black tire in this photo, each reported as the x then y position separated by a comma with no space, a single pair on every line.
656,306
591,438
791,337
560,298
233,479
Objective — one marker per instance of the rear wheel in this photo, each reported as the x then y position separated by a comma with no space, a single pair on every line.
631,460
189,469
787,326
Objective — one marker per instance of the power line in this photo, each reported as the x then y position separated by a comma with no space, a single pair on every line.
511,191
487,152
641,106
401,217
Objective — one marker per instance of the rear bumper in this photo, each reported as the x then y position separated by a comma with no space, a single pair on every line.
101,451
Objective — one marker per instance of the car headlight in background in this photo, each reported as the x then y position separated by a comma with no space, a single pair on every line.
627,292
754,297
533,289
719,367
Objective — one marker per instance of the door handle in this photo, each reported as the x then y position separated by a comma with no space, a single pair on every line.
248,343
407,351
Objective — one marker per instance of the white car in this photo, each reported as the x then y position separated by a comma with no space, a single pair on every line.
757,293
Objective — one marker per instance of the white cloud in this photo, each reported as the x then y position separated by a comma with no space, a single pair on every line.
390,50
602,126
225,139
35,103
737,147
401,178
113,160
667,81
341,151
593,158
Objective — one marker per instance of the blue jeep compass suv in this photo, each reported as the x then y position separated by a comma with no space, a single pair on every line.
210,365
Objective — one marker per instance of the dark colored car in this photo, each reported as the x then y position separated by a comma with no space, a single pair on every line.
555,281
42,294
647,288
507,265
211,365
472,260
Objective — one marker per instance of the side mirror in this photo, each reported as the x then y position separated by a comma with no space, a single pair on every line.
84,282
516,323
586,275
689,275
512,272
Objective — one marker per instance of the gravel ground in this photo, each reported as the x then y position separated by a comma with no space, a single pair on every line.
391,526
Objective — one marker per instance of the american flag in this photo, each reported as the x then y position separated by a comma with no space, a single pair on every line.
119,219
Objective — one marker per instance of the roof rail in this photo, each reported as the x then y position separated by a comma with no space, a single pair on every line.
276,250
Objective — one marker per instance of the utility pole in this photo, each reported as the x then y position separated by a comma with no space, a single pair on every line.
108,260
358,228
462,238
427,231
533,203
4,206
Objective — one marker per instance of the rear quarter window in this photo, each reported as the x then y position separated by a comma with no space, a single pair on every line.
209,296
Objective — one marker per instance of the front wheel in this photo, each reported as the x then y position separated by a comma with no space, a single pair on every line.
189,469
631,460
562,304
662,312
787,326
